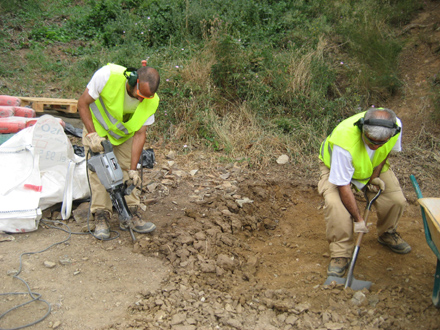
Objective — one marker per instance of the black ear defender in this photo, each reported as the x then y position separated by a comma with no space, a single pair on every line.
131,75
378,122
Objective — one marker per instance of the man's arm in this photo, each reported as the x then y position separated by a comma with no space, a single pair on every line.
349,201
83,108
378,169
137,146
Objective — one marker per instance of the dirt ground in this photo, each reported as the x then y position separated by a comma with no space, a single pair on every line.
237,248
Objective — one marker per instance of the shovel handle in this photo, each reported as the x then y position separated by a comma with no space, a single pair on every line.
367,213
359,239
370,202
349,279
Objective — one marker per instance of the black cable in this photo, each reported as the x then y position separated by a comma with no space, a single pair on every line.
35,296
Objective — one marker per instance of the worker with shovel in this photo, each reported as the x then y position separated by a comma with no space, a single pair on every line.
355,155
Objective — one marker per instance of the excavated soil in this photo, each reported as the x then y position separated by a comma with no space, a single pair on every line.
237,248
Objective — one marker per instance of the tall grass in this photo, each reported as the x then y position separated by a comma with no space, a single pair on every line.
250,78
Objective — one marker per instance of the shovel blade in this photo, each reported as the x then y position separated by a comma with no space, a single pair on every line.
355,284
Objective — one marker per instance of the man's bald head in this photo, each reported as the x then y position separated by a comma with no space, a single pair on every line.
149,75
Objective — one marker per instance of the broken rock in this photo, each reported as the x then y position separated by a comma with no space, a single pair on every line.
225,262
283,159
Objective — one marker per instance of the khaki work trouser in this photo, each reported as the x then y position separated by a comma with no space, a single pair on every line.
339,223
100,197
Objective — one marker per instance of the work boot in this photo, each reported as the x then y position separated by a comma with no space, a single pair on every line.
394,242
337,266
139,225
102,230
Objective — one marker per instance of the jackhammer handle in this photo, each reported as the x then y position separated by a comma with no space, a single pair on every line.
106,145
128,189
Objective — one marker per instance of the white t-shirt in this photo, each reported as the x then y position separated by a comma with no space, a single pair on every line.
341,167
97,83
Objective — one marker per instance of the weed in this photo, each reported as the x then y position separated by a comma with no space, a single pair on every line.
252,78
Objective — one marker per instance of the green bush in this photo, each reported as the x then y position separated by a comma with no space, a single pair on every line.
287,63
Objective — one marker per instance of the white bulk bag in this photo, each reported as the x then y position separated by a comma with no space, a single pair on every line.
38,169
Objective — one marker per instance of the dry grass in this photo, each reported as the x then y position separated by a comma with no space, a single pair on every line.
239,132
300,68
197,71
242,136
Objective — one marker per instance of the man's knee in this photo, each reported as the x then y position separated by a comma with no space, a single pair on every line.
400,201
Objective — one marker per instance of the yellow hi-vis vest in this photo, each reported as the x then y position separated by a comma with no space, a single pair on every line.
349,137
107,110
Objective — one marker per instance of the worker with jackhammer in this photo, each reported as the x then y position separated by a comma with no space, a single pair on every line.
355,155
118,104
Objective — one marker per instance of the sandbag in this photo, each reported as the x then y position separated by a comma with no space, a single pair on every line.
6,111
15,124
24,112
9,111
9,100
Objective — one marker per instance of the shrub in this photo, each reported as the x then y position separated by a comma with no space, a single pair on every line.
287,69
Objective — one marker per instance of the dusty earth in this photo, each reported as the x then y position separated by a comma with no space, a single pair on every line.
237,248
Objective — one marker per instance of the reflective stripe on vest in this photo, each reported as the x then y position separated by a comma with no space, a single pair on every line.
112,119
107,110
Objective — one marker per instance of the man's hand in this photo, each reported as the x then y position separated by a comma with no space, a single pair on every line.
134,177
94,141
360,227
375,185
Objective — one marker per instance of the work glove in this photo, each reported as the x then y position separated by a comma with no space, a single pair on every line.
360,227
375,184
94,141
134,178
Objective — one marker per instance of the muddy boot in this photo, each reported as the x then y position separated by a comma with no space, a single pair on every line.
394,242
338,266
102,230
139,225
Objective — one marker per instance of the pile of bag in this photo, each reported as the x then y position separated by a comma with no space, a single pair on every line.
14,118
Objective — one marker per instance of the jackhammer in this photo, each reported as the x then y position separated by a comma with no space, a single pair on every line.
106,166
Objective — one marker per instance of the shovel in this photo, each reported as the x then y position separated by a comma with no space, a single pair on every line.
351,281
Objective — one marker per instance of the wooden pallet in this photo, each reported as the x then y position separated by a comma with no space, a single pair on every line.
39,104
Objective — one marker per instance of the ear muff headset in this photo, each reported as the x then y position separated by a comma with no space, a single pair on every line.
131,75
377,122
